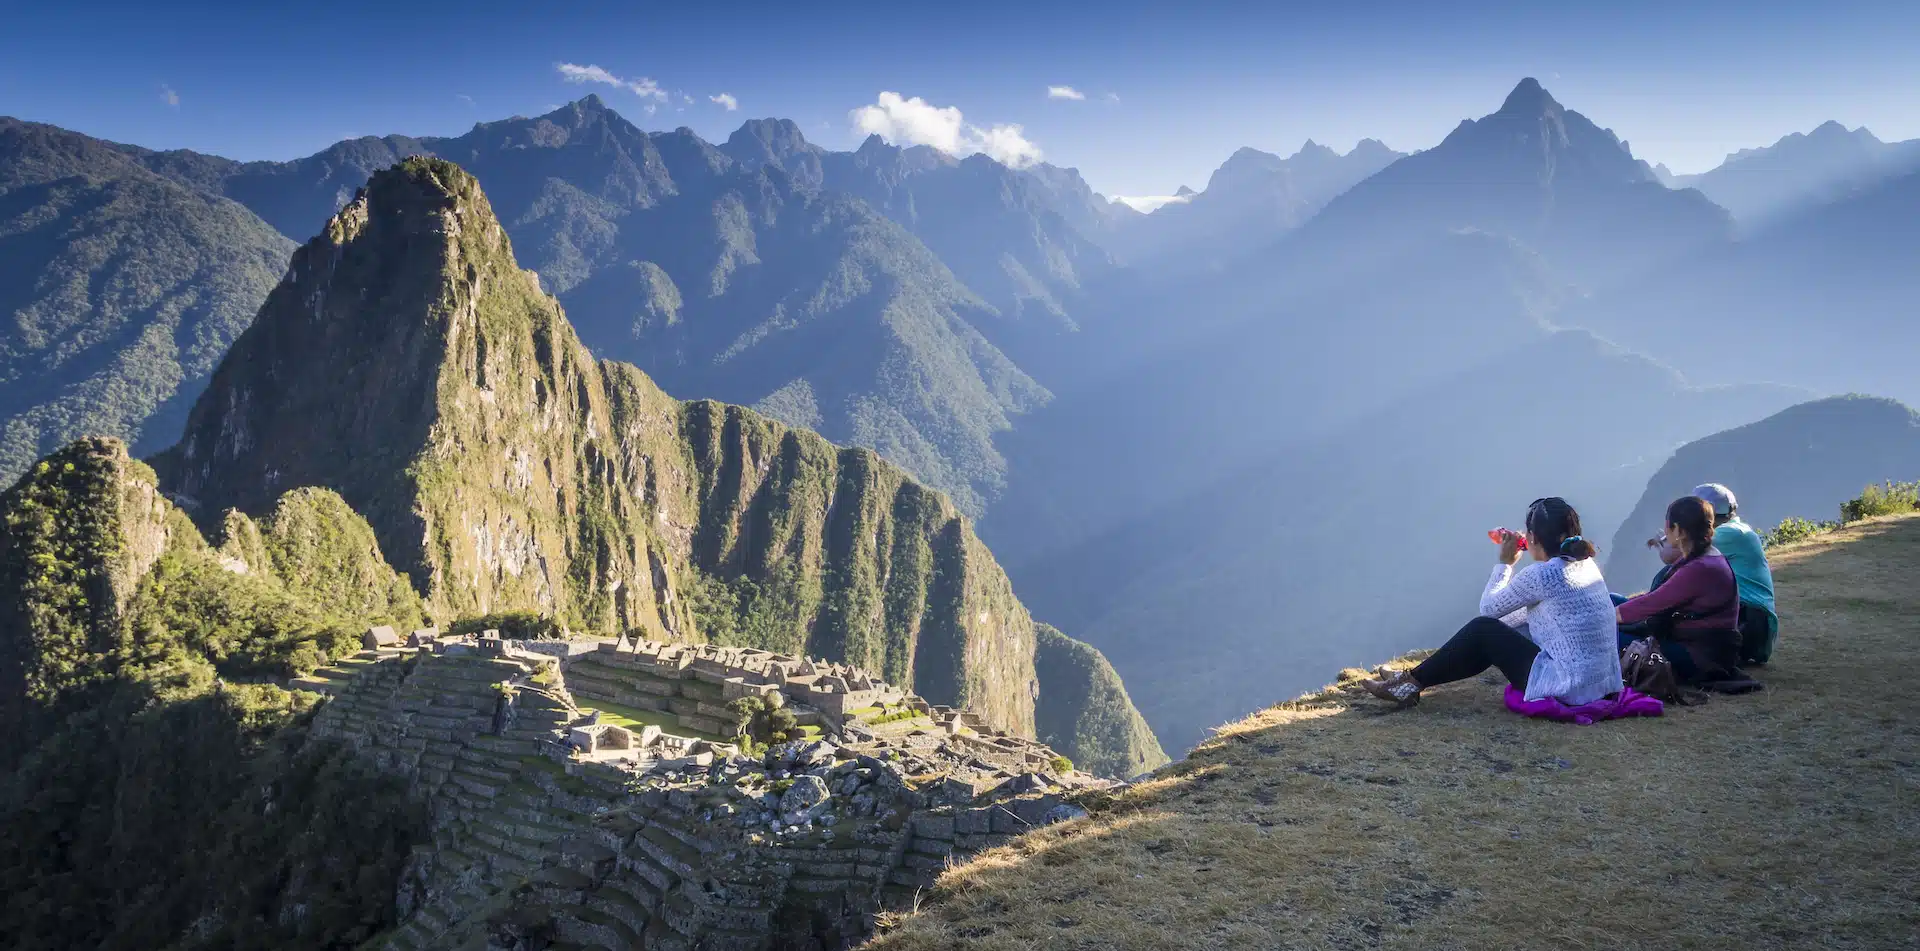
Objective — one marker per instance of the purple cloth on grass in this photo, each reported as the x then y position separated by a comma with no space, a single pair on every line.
1626,703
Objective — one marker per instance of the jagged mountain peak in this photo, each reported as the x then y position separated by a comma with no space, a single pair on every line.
1184,192
1531,99
1373,150
1314,150
772,131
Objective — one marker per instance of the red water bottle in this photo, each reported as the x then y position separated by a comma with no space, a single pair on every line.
1497,536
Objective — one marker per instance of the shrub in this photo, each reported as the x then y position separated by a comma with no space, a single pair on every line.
759,721
1891,498
1061,764
1796,529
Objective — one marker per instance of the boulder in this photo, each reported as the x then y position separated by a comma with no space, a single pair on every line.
805,793
1064,812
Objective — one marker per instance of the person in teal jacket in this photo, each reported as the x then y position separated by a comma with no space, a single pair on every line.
1747,553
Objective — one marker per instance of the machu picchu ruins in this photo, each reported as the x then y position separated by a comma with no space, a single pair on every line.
592,793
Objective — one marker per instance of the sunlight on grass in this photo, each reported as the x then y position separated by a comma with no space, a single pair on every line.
1788,819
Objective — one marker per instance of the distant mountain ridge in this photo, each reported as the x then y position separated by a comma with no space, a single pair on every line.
1004,231
1249,201
119,290
1796,463
1821,298
1802,170
1538,172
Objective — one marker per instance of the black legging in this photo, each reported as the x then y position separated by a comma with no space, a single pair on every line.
1481,643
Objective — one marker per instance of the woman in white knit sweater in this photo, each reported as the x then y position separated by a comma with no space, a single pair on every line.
1549,626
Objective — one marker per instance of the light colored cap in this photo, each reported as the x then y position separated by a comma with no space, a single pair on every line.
1718,496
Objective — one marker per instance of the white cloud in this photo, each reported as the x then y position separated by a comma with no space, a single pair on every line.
463,97
726,101
168,96
916,121
1065,92
1113,97
1148,203
643,87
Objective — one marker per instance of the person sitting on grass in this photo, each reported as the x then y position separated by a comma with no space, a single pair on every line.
1567,652
1694,614
1746,553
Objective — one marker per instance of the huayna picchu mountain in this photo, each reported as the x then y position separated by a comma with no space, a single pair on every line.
408,364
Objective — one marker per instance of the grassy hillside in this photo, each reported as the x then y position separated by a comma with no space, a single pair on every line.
1782,820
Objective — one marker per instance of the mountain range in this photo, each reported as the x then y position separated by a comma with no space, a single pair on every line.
1801,170
1075,374
1248,202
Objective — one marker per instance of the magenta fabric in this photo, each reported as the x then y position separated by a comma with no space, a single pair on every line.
1627,703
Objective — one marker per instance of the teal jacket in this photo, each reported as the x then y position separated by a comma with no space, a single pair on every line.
1747,553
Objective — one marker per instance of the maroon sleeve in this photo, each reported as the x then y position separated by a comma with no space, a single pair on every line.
1680,591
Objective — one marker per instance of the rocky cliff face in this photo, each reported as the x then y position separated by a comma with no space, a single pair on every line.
408,364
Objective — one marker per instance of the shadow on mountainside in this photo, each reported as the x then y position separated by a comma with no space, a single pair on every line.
1784,819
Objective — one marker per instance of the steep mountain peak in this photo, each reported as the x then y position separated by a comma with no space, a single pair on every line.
1248,155
1184,192
1531,99
776,137
1832,129
1371,146
1315,150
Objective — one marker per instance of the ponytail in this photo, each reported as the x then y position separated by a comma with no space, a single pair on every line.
1555,526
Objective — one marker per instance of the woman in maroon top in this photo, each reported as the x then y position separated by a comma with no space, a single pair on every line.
1700,597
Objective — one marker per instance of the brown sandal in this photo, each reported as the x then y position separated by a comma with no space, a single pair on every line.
1399,689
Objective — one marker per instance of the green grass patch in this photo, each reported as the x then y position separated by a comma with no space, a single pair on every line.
634,719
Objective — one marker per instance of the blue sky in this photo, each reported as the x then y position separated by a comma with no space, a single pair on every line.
1169,91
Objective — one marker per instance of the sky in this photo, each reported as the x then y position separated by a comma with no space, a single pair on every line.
1142,98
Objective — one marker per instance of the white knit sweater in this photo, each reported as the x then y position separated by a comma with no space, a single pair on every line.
1565,609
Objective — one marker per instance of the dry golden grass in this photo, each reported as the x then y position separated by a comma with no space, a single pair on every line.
1788,819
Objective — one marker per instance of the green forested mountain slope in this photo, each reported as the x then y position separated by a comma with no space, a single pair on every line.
408,364
1084,707
155,788
119,290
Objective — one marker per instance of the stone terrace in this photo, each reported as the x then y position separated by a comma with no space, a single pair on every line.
551,825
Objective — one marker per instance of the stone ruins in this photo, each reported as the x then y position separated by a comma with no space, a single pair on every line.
589,794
